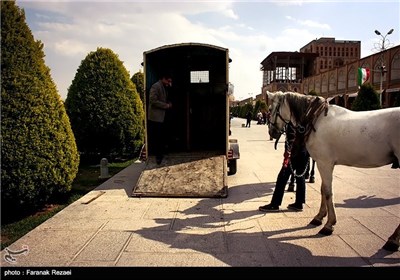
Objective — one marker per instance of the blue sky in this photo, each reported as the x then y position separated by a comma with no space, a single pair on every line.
251,30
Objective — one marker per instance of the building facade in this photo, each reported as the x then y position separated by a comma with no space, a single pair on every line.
329,67
285,71
339,85
332,53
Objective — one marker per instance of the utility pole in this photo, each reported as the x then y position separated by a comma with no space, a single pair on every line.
382,67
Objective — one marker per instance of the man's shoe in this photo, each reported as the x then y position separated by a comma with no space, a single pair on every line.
295,207
269,208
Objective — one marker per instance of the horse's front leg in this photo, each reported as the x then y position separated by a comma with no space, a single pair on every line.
326,171
393,242
317,220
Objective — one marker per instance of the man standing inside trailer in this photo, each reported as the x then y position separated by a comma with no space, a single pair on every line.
158,104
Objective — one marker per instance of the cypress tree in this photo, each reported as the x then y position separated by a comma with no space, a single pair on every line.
39,153
367,99
138,80
106,112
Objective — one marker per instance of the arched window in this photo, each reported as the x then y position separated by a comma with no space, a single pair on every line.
324,88
395,67
341,80
332,82
305,88
311,85
376,78
352,77
365,64
317,87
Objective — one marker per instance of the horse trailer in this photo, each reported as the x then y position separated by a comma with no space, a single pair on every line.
200,151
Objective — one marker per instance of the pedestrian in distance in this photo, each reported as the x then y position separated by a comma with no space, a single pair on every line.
249,116
259,118
264,116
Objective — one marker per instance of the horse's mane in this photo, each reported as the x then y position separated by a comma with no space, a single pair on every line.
305,109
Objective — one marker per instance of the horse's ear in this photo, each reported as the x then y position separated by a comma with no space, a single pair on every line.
270,94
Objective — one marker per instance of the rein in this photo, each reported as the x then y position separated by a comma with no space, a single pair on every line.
314,109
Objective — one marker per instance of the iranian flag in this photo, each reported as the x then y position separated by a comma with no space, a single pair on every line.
363,75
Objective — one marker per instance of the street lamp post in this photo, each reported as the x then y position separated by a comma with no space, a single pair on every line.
382,67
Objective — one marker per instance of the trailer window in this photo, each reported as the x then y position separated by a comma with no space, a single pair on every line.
199,77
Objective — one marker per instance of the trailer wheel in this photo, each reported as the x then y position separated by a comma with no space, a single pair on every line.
232,167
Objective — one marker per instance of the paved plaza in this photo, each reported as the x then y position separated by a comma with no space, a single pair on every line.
110,228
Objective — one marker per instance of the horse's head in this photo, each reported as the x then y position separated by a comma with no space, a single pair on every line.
280,114
297,109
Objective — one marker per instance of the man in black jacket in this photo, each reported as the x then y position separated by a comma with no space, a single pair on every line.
295,161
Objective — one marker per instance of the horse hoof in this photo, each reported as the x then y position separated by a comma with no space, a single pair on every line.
312,180
390,246
316,222
325,231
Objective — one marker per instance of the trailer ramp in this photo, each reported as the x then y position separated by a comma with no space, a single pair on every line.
199,175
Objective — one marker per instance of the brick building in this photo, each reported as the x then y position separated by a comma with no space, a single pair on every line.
329,67
332,53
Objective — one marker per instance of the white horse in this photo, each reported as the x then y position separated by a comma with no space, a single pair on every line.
337,136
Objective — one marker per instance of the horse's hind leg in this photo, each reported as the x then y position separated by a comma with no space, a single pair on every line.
312,172
395,163
393,242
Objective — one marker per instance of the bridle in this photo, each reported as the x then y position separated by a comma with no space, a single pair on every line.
277,115
298,128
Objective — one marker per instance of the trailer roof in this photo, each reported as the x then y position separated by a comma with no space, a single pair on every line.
184,45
